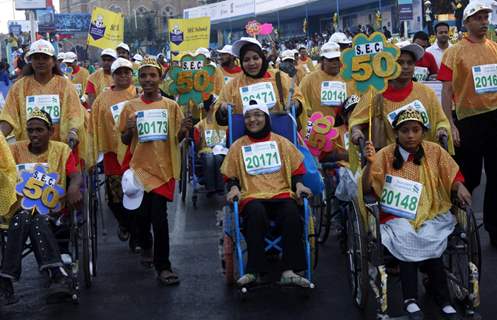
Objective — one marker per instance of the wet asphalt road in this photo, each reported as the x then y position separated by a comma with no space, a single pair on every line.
124,289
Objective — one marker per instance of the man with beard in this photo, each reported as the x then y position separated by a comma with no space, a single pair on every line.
442,43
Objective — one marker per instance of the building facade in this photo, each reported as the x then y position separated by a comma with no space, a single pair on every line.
166,8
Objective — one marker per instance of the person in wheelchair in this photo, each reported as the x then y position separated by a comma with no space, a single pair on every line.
210,141
413,179
56,157
265,172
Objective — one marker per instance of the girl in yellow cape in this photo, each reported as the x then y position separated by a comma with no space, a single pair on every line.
414,180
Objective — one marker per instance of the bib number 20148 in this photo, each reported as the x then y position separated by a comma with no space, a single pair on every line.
400,197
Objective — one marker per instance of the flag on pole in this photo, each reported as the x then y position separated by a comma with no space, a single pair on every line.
106,29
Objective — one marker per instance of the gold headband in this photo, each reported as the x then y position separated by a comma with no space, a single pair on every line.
150,62
38,114
409,114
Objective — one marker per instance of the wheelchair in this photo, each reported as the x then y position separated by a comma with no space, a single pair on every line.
232,244
367,260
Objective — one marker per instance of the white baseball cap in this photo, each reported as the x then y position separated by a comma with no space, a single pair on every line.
121,63
413,48
301,46
123,45
41,46
474,7
203,51
254,105
330,50
288,55
340,38
138,57
226,49
70,57
61,56
237,46
109,52
133,190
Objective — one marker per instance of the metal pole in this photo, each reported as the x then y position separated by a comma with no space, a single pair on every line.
32,23
338,14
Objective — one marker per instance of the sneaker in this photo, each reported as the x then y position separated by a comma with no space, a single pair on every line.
413,310
449,313
60,286
291,278
246,279
7,295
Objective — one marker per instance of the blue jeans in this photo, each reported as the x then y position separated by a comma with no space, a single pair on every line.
211,165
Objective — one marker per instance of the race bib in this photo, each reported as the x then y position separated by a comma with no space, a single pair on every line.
263,93
215,137
400,197
226,79
485,78
333,93
50,103
152,125
30,167
261,158
421,73
79,89
418,106
116,110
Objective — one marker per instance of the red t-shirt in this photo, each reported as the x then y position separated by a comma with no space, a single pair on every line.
428,61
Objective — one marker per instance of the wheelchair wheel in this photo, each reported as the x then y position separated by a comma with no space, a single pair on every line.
87,237
357,257
463,261
229,260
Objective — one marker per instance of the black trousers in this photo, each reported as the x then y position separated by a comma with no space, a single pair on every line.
285,213
478,148
24,225
153,210
436,275
211,164
115,201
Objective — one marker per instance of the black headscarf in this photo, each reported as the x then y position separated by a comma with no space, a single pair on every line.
258,50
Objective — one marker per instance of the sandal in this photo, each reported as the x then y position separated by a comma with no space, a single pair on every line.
291,278
168,278
246,279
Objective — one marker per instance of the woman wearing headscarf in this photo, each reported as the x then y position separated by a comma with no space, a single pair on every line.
267,188
271,88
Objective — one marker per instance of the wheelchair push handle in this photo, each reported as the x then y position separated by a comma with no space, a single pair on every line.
444,142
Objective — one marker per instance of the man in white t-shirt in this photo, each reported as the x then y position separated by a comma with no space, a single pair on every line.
438,48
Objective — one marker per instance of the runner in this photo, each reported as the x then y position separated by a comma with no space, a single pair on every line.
400,94
58,158
290,66
101,79
324,89
105,116
257,82
341,38
426,67
152,126
44,86
122,51
218,76
267,190
210,139
416,233
304,59
79,75
466,71
228,66
442,44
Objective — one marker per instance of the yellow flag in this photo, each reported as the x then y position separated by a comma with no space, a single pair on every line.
106,29
188,35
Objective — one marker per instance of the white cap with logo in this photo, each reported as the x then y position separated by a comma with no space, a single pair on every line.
109,52
121,63
288,55
255,105
330,50
123,45
133,190
203,51
237,46
138,57
226,49
70,57
41,46
474,7
340,38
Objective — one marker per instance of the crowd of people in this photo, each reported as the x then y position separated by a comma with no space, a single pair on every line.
123,117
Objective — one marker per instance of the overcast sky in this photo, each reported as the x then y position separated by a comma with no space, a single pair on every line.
7,13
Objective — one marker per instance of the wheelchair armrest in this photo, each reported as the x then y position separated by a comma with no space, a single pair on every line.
372,206
329,165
